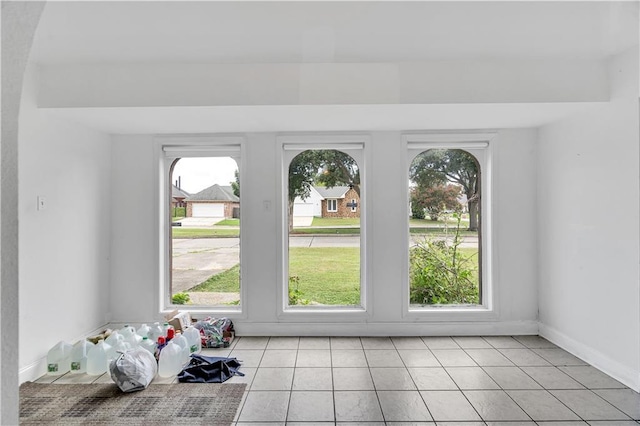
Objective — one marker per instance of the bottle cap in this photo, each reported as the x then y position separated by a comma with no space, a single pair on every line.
161,340
171,333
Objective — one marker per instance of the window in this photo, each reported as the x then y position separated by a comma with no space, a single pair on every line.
353,205
201,216
448,193
323,275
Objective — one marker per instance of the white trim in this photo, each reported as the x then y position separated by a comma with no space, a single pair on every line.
289,147
478,145
335,203
302,147
168,149
624,374
364,328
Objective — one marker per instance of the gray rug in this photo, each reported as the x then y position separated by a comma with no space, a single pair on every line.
105,404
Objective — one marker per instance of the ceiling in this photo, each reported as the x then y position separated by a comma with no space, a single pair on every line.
321,32
294,32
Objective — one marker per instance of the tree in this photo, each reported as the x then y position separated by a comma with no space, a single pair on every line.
439,166
235,186
326,167
436,199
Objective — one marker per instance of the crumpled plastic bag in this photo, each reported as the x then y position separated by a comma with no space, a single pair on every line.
133,370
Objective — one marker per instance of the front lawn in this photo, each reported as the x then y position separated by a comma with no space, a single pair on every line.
228,222
224,282
335,221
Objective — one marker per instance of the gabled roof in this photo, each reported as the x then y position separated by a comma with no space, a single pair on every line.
335,192
178,193
215,193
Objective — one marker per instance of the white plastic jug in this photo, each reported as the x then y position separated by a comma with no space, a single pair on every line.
148,345
170,363
155,331
79,356
113,338
59,359
181,341
143,330
127,331
97,359
192,335
119,346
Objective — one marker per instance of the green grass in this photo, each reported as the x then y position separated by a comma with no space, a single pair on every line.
328,275
335,221
229,222
427,223
334,231
179,232
224,282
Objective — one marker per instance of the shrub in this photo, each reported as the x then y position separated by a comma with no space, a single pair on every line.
180,298
295,294
440,273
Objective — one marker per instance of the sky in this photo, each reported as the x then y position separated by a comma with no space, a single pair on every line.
197,174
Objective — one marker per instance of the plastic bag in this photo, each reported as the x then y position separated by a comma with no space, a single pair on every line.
209,369
133,370
216,332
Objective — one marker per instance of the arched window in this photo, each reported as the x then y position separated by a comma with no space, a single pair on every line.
445,224
323,216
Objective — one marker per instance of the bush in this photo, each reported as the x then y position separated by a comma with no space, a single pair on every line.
440,273
295,294
178,211
180,298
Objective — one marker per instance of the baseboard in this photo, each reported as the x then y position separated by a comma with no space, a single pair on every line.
38,368
622,373
387,329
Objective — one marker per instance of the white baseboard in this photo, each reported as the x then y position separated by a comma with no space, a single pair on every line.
387,329
622,373
38,368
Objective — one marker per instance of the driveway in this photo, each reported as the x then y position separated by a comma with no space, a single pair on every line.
200,222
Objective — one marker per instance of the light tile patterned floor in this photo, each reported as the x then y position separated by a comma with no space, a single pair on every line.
438,381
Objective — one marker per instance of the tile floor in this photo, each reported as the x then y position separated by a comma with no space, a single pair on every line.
506,381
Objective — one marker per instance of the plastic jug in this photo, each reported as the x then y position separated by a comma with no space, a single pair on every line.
155,331
181,341
97,359
148,345
143,331
113,338
192,335
170,363
131,337
127,331
59,359
79,355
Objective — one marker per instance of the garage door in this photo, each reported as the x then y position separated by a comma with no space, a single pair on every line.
303,209
208,210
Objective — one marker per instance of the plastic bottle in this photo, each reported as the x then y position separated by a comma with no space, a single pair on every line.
170,362
79,356
119,346
143,330
132,338
181,341
192,335
59,358
165,328
155,331
97,359
171,333
148,345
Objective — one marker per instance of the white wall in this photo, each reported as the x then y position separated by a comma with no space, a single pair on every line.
64,249
134,268
588,221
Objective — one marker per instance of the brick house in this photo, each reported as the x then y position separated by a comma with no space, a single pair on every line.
339,201
214,201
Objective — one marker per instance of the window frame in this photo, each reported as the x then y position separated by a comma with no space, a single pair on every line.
480,145
353,207
290,146
168,150
333,201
